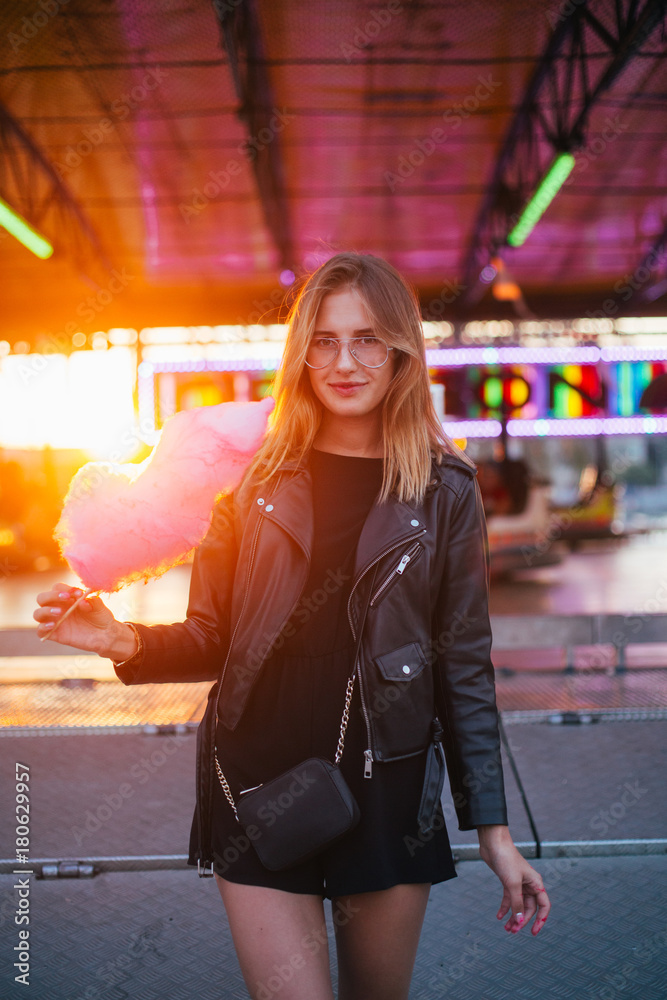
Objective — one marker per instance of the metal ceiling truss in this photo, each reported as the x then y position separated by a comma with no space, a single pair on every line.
30,184
241,34
554,113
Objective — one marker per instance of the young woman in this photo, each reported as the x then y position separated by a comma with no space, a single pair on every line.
357,538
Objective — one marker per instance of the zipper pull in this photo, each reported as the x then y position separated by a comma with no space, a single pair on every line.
368,764
403,563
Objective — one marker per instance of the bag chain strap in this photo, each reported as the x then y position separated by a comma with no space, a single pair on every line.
339,749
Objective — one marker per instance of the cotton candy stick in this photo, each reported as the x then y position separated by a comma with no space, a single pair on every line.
124,523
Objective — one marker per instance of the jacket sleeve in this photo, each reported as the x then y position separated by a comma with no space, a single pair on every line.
192,650
465,685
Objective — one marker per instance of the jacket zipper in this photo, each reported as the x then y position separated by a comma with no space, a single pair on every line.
399,570
368,753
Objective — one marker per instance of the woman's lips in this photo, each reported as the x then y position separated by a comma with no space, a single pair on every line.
346,388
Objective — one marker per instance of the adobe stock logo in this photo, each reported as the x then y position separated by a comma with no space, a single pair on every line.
452,120
248,149
30,26
119,111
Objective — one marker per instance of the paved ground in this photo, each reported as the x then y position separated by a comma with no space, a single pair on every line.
157,934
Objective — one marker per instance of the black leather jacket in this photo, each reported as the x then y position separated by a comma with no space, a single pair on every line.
418,609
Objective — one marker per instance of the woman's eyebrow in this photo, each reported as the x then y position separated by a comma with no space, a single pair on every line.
330,333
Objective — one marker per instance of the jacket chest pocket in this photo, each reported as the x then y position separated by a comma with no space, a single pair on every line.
404,563
402,702
402,664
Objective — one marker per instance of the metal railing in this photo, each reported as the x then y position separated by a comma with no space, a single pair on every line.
512,632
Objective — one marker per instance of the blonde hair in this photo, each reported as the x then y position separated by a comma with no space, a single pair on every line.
411,431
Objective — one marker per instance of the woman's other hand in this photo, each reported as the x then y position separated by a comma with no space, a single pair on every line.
523,890
91,626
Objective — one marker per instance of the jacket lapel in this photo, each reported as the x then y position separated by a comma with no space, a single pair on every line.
387,524
292,505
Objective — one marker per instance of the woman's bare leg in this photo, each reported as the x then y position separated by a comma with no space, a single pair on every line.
280,940
377,934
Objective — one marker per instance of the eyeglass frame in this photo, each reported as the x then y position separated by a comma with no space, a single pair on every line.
351,340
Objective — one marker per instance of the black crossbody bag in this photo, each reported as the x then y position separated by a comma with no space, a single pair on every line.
295,816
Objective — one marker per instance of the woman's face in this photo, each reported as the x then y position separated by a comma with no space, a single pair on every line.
346,388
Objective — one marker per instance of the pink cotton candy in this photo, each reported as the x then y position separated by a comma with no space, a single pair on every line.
123,523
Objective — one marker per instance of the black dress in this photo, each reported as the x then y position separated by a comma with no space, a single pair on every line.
294,712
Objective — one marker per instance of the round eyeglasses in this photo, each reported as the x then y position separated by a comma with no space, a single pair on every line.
371,352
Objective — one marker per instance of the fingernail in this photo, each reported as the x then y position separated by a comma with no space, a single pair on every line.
519,918
64,596
49,624
77,593
55,611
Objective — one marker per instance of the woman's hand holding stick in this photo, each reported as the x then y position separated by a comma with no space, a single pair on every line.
81,619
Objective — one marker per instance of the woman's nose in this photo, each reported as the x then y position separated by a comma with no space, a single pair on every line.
345,360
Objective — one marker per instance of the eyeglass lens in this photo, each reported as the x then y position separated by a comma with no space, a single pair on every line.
369,351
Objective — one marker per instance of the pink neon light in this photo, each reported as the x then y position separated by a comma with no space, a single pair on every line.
563,427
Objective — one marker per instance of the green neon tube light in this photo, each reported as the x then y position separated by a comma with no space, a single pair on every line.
546,191
23,231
